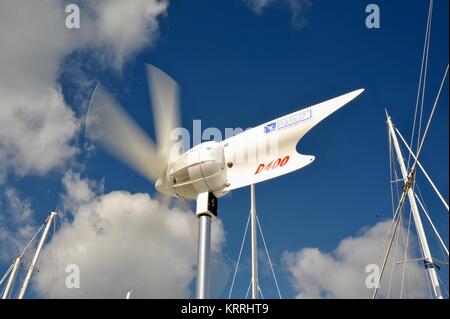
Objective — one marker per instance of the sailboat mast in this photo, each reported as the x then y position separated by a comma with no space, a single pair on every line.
409,180
48,222
11,279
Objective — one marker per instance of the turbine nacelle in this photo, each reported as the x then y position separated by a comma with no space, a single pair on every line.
200,169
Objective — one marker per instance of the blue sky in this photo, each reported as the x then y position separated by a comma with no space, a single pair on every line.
238,68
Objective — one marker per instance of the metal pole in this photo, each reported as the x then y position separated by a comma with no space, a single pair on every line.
254,232
415,211
11,278
48,223
206,210
203,264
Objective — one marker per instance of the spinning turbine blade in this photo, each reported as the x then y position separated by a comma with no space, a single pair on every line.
164,93
109,125
269,150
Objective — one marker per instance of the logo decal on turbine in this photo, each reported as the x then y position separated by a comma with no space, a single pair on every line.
288,121
270,127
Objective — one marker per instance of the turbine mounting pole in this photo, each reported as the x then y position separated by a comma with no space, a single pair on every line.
254,232
409,182
48,223
206,210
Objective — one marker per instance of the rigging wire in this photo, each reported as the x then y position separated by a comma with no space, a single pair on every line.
420,140
21,255
394,258
425,75
406,255
239,258
396,222
443,285
429,286
380,252
260,292
397,179
420,77
420,145
6,276
32,239
7,273
248,289
436,233
429,119
268,257
423,170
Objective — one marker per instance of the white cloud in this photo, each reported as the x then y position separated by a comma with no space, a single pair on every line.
124,28
341,273
258,5
37,127
122,241
16,223
79,191
298,9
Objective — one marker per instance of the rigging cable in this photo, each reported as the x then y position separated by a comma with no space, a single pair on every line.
396,222
32,239
239,257
397,180
443,285
429,119
424,209
7,273
394,258
268,257
425,75
248,290
260,292
423,170
380,253
406,255
421,77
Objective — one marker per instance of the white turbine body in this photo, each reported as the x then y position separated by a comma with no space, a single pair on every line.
258,154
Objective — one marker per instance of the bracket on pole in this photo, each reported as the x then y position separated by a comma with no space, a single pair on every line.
206,205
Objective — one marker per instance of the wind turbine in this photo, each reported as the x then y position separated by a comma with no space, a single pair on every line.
210,169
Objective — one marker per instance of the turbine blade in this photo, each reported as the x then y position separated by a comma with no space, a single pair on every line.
269,150
112,128
164,94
